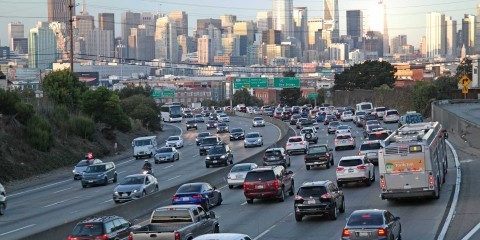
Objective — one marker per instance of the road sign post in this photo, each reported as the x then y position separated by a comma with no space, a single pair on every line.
464,81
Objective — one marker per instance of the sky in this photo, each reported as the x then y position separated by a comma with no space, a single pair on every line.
405,17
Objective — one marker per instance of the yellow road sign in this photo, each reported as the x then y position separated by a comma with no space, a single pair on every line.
464,89
465,81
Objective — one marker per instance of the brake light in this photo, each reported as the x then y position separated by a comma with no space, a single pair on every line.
197,196
431,180
383,184
289,144
302,143
336,140
70,238
130,236
340,168
362,167
298,197
360,154
350,139
345,233
276,183
175,198
177,236
326,196
382,232
244,185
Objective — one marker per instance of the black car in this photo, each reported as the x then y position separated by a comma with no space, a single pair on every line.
220,154
237,134
318,155
104,227
276,156
213,116
211,124
372,224
191,124
318,198
207,143
222,127
187,114
201,136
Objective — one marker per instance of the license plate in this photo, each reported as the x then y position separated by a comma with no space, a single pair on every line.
124,195
272,158
239,176
311,201
215,161
350,170
260,187
363,234
90,181
185,198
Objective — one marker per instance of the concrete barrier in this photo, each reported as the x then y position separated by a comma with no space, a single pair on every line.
143,207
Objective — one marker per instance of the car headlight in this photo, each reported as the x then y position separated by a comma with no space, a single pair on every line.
73,171
134,191
208,158
100,175
259,140
223,156
116,193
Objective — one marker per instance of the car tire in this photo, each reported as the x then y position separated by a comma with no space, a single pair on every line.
84,186
368,181
206,206
373,177
220,199
332,162
116,201
105,181
328,165
336,148
207,165
292,189
298,217
115,178
216,229
305,151
333,213
289,162
143,194
307,167
250,201
342,208
156,188
230,186
339,184
282,195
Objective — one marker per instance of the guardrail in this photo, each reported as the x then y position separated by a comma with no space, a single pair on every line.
144,206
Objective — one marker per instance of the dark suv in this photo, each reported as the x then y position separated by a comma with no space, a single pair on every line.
220,154
318,155
318,198
106,227
268,182
207,143
191,124
99,174
276,156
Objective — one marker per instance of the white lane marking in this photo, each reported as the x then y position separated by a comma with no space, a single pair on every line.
466,161
265,232
243,203
61,190
196,155
222,187
181,130
169,166
42,187
125,162
122,172
472,232
16,230
453,207
55,203
109,200
174,177
279,132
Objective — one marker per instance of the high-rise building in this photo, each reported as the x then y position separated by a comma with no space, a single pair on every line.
180,19
140,45
202,25
215,36
451,37
128,21
20,45
435,35
99,44
282,17
15,30
315,27
331,18
397,43
42,47
166,45
373,44
355,26
468,33
300,20
205,53
230,45
477,31
271,37
245,31
264,21
106,22
228,21
83,23
59,11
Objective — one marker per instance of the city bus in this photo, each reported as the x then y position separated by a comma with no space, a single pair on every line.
413,162
171,112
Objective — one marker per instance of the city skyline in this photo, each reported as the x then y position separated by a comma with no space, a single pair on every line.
405,18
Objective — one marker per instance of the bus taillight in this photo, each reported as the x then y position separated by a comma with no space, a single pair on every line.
383,185
431,180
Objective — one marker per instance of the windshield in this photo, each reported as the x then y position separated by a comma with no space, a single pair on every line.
203,134
173,139
222,125
133,180
370,146
217,150
191,122
365,219
236,130
211,122
320,149
175,111
164,150
198,116
316,191
380,109
258,119
82,163
95,168
392,112
189,188
223,115
209,140
241,168
252,135
273,153
144,142
360,113
350,162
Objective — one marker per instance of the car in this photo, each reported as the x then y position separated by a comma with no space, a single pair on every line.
258,122
298,124
82,166
332,127
318,155
310,134
277,114
339,112
101,227
135,186
99,174
343,129
257,111
372,224
174,141
268,112
199,118
379,112
268,182
294,118
286,115
320,117
201,136
276,156
410,117
370,128
222,127
206,113
223,236
237,174
344,140
370,149
166,154
308,123
346,116
191,124
213,116
296,144
187,114
220,154
199,193
211,124
357,115
207,143
391,116
371,122
318,198
329,118
253,139
377,134
365,118
224,118
355,169
237,134
3,200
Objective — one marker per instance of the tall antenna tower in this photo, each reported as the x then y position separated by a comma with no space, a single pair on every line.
386,39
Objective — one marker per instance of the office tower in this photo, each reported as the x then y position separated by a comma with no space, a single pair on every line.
373,44
331,19
264,21
230,45
468,33
300,20
42,46
423,46
245,31
83,23
386,38
180,19
205,55
186,44
215,36
128,21
202,25
282,17
58,10
140,45
166,45
106,21
397,43
149,22
315,27
435,35
451,37
339,51
15,30
228,21
20,45
477,31
271,36
99,45
355,26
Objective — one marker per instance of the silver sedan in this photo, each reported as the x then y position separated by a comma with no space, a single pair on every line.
166,154
135,186
237,174
253,139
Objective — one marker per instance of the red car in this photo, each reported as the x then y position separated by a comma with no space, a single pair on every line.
268,182
329,118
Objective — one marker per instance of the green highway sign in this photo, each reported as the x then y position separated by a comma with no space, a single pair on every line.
239,83
163,93
312,95
286,82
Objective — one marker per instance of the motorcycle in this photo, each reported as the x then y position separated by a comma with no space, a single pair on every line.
147,171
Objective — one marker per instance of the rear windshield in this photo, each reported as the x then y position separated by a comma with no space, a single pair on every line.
189,188
350,162
308,130
209,140
260,176
258,119
190,121
241,168
94,169
295,140
316,191
370,146
366,106
380,109
88,229
343,136
275,153
176,215
365,219
370,117
217,150
392,112
321,149
378,136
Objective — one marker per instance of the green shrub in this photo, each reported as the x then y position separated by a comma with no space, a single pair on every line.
25,112
82,126
39,133
7,102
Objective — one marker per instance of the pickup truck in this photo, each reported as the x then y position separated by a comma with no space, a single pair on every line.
177,222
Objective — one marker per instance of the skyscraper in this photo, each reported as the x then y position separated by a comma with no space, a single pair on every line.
128,21
106,21
140,45
468,33
300,20
83,23
15,30
42,46
451,40
477,31
228,21
166,45
331,19
397,43
315,27
264,21
180,19
58,10
99,44
435,35
282,17
355,26
205,53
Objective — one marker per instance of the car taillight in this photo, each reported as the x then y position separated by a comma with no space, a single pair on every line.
70,238
360,154
345,233
362,167
289,144
276,183
298,197
336,140
326,196
340,168
175,198
350,139
431,180
197,196
244,185
177,236
382,232
130,236
302,143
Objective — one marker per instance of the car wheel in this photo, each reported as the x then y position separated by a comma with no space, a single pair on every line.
282,195
336,148
217,229
328,165
331,162
220,199
115,178
333,213
368,181
143,193
289,162
206,165
2,209
305,151
284,166
230,186
206,206
298,217
250,201
307,167
342,208
105,181
116,201
292,189
156,188
437,192
373,177
339,184
84,186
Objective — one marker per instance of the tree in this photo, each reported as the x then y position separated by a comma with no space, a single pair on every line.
445,85
464,68
290,96
144,109
368,75
243,96
63,87
209,103
8,99
130,91
423,93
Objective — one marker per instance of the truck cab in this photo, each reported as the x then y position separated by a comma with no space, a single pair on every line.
144,146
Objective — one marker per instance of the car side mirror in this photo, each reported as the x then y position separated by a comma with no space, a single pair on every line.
397,218
214,188
290,172
211,214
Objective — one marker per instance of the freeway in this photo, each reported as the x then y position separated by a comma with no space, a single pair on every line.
44,206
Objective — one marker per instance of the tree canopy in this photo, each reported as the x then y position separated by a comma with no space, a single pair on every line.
368,75
144,109
464,68
290,96
243,96
63,87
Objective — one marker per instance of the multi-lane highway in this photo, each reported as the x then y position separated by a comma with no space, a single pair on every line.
44,206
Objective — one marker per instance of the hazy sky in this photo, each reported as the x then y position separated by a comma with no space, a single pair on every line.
404,16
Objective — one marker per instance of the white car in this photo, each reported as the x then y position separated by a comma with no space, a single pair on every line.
391,116
343,129
258,122
237,174
223,236
224,118
357,115
355,169
346,116
379,112
296,144
174,141
344,140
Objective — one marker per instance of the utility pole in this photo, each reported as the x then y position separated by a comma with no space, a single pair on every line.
70,6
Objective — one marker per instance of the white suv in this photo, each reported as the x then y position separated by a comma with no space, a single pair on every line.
391,116
296,144
310,134
344,140
355,169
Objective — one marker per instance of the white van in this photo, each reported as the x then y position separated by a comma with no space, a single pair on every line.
364,107
144,146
